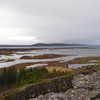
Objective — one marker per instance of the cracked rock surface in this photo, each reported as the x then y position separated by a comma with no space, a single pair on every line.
85,87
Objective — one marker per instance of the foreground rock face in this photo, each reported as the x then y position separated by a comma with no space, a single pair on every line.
85,87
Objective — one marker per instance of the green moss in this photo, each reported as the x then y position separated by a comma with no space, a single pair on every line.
53,85
70,94
61,85
91,88
14,92
44,91
69,87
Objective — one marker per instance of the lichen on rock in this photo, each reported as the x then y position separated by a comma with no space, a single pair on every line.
85,87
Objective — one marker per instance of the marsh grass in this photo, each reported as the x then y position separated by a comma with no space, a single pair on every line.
84,60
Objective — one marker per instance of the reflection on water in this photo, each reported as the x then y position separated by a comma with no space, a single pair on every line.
79,65
92,61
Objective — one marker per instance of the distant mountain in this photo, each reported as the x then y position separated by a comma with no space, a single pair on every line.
55,44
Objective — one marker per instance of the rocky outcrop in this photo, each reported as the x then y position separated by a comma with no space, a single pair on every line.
85,87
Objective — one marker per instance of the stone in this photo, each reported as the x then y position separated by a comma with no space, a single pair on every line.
85,87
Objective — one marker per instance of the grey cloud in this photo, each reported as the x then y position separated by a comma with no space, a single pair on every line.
66,21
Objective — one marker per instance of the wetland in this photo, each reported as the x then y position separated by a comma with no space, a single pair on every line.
48,56
57,61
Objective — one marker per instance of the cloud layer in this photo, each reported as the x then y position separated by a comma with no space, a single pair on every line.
50,21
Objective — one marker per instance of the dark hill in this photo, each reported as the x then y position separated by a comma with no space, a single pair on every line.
56,44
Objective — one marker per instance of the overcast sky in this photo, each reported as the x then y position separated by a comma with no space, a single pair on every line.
49,21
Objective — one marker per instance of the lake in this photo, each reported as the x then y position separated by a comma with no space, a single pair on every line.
75,52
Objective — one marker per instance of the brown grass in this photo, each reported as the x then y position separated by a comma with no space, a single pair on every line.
50,69
83,60
23,65
44,56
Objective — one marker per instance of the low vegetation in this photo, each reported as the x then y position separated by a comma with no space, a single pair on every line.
5,52
84,60
25,77
12,77
59,68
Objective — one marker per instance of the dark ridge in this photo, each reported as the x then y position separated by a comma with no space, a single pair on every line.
56,44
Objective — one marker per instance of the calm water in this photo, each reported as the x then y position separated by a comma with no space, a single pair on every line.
75,53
